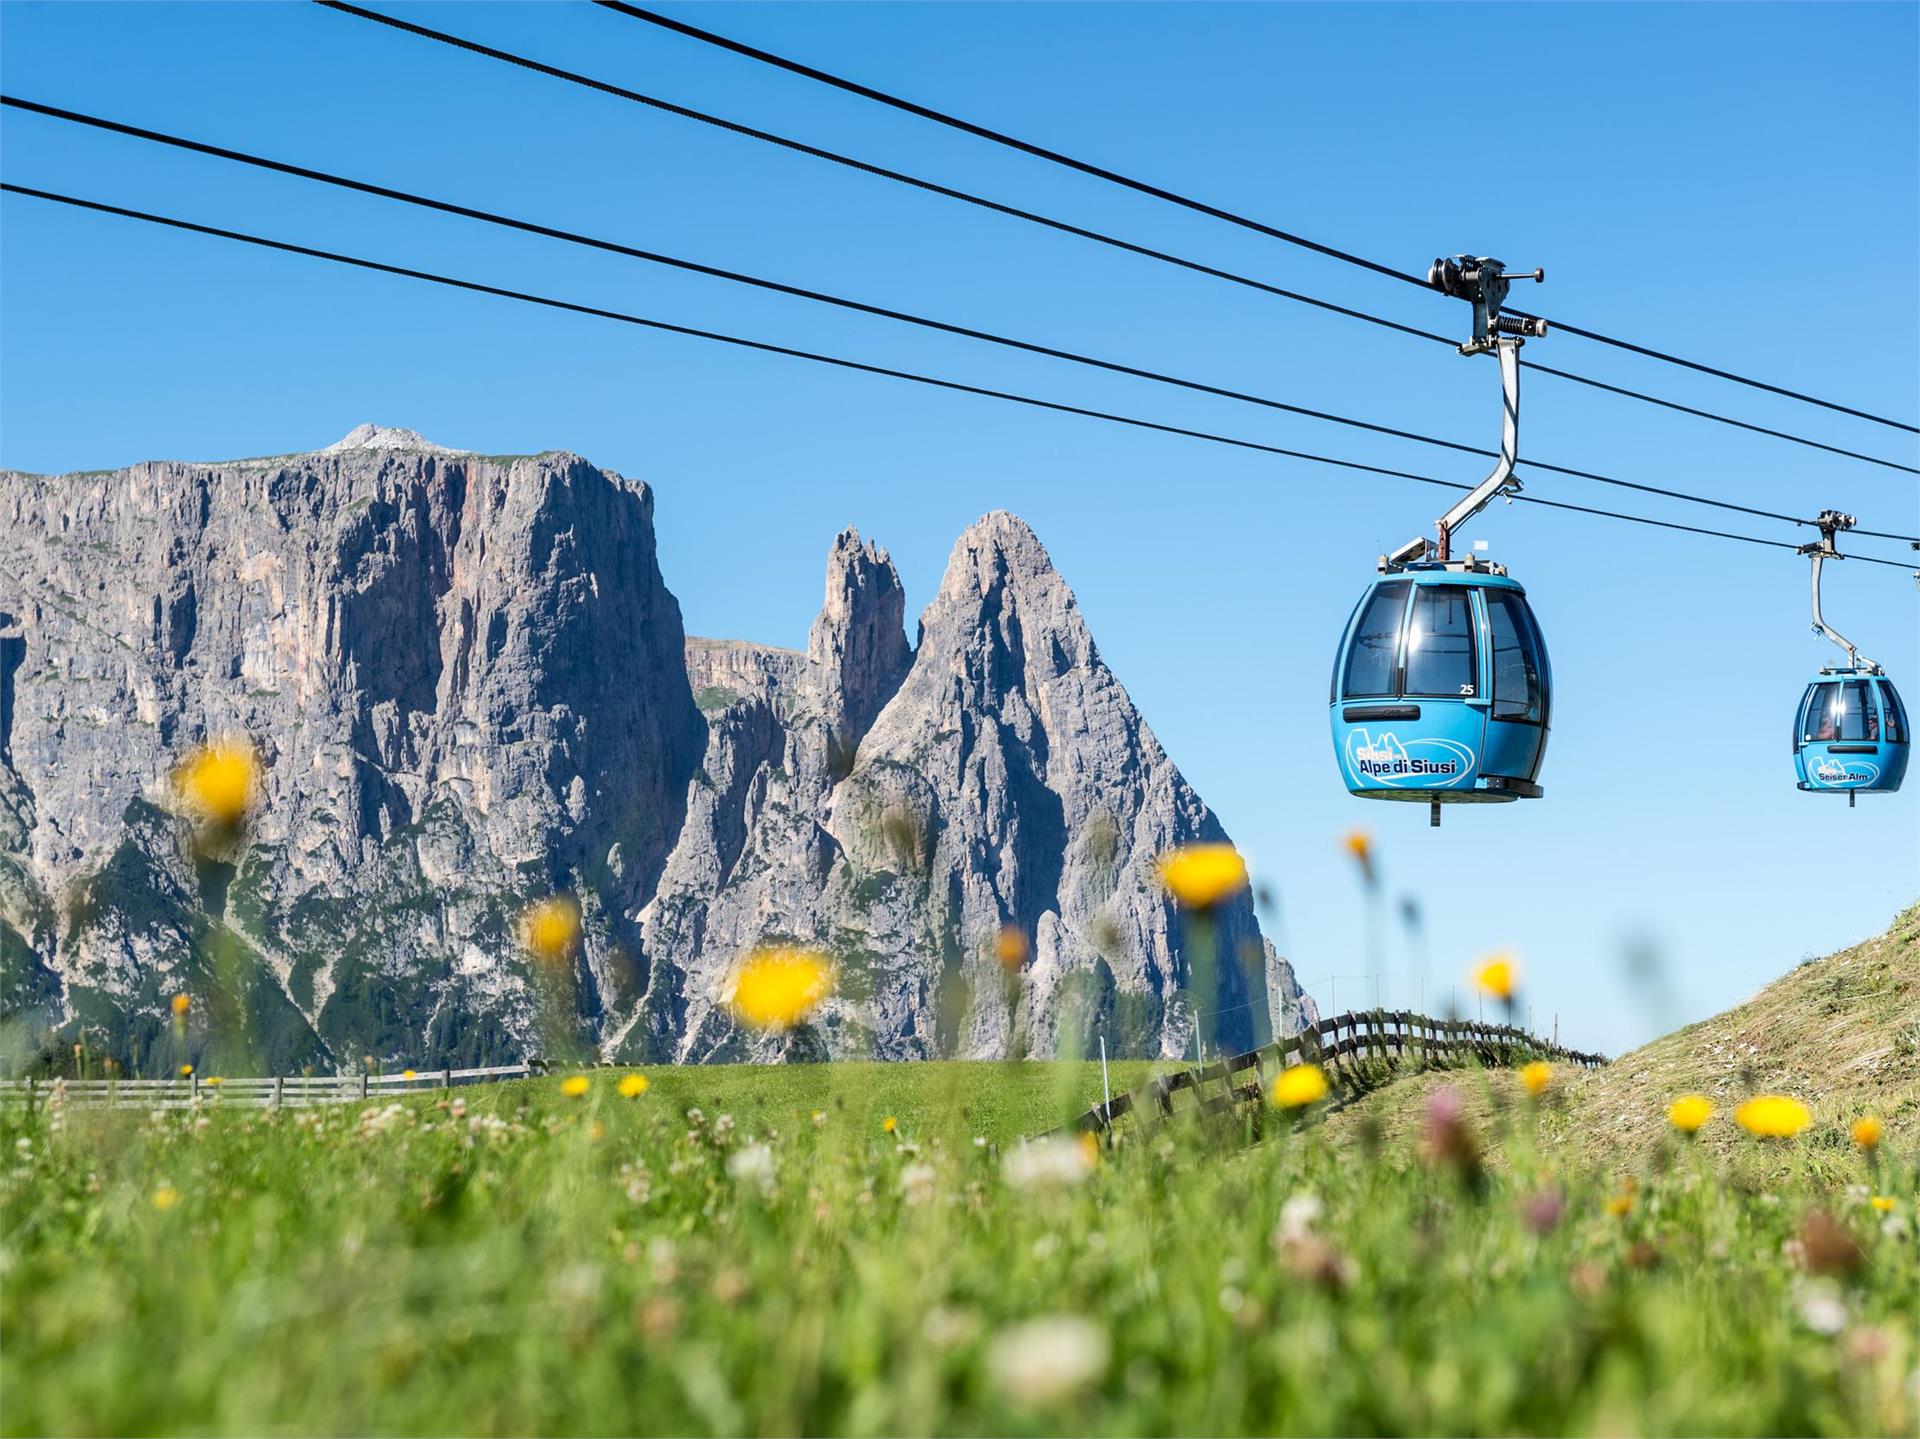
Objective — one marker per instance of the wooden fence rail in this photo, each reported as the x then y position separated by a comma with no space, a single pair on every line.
1339,1044
273,1091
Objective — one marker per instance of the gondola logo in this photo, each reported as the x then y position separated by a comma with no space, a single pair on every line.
1411,764
1845,775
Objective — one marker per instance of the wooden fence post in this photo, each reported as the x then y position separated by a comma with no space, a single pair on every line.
279,1089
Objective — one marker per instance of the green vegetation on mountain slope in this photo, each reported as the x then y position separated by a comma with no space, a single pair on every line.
1841,1034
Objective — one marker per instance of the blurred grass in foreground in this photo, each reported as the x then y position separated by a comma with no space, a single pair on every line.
507,1259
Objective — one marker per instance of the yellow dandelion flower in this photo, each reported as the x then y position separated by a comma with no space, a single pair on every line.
181,1004
219,781
165,1197
1621,1205
186,1071
575,1085
1299,1085
1773,1116
1359,844
406,1074
1090,1147
550,927
1201,876
1010,948
1866,1131
1498,975
634,1085
889,1124
776,988
1536,1076
212,1079
1882,1203
1689,1112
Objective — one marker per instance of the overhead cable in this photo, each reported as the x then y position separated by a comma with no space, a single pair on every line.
841,362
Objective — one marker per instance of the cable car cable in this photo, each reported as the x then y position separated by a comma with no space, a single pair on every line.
654,257
868,92
840,362
1062,226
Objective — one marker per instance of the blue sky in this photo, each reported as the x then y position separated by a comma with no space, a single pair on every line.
1728,182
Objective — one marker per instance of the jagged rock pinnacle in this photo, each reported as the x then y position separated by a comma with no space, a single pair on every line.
469,689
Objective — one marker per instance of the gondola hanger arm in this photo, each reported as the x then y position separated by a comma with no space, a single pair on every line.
1484,283
1831,523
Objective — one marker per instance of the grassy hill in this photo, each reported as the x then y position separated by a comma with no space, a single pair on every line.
856,1249
1841,1034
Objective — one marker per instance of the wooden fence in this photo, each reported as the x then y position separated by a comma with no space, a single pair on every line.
1340,1045
291,1091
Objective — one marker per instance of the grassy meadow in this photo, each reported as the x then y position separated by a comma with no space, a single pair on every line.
758,1250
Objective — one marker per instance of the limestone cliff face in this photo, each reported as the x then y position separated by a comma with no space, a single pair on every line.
470,687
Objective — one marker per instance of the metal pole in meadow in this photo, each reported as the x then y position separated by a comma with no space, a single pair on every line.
1106,1090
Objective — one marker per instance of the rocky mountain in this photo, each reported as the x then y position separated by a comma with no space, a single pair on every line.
469,688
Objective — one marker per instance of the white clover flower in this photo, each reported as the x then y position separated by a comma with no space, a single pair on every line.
1298,1216
1046,1164
917,1182
1821,1308
1045,1361
752,1168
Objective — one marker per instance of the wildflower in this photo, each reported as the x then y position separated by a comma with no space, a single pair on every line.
1541,1211
1536,1076
1090,1146
1299,1085
1821,1308
1882,1203
1046,1361
165,1197
1317,1261
1498,975
1359,844
1010,948
752,1168
550,928
1047,1164
575,1085
1773,1116
1866,1132
213,1080
1447,1138
186,1071
406,1074
634,1085
1689,1112
181,1004
889,1124
1621,1203
1201,876
819,1119
218,781
1827,1246
917,1182
1297,1217
776,988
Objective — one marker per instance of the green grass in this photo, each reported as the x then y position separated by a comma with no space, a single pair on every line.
1841,1033
544,1264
